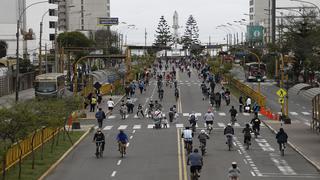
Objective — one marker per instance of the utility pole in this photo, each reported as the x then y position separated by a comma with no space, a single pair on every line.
56,49
40,48
273,19
145,40
45,49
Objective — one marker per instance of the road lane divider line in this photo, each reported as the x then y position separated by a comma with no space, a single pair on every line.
131,137
179,154
128,144
184,163
119,162
113,173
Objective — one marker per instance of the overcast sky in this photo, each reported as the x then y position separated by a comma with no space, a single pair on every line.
146,14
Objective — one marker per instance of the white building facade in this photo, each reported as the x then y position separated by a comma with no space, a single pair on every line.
82,15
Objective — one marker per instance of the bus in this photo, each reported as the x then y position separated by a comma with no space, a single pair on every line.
49,85
252,71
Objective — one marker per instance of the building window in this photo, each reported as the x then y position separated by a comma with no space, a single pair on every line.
52,24
251,10
251,17
251,2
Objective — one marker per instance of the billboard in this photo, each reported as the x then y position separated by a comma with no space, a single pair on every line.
108,21
9,11
255,33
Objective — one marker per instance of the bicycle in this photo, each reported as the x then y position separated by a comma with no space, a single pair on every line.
247,143
188,147
123,114
122,149
255,131
99,152
194,175
282,147
209,128
229,141
202,148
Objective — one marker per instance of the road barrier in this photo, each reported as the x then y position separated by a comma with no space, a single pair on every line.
41,137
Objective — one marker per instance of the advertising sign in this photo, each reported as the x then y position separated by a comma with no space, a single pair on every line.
108,21
255,33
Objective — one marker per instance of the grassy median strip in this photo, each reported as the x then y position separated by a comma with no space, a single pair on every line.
48,158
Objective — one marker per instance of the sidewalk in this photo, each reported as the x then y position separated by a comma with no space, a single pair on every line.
103,105
6,101
301,138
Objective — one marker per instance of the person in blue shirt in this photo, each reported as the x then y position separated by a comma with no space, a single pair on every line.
122,138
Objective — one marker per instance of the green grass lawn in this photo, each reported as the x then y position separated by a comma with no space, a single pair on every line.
42,165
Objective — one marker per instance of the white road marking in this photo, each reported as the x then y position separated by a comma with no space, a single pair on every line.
252,173
283,166
113,173
239,151
222,114
128,144
135,116
307,123
122,127
179,125
236,124
137,127
112,117
221,125
119,162
107,128
127,116
306,113
293,113
185,114
150,126
131,137
246,114
245,161
133,131
198,114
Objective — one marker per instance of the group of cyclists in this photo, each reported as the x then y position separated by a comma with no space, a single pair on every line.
208,85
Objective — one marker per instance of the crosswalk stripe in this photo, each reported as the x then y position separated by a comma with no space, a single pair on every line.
111,117
135,116
307,123
137,127
306,113
168,125
222,114
246,114
236,124
127,116
150,126
221,125
179,125
198,114
107,128
293,113
185,114
122,127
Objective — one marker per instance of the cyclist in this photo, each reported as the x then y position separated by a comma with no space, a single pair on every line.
282,138
123,111
256,123
195,161
99,138
176,93
157,105
193,121
247,134
122,138
140,111
203,136
187,136
175,84
209,117
161,92
228,131
234,171
233,113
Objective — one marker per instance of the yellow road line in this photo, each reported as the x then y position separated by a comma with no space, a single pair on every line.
184,163
179,154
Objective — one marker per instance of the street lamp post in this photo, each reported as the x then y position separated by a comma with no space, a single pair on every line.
17,49
227,35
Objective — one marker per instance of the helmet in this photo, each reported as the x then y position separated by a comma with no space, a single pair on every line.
229,124
203,131
247,125
121,131
195,150
187,127
234,163
98,130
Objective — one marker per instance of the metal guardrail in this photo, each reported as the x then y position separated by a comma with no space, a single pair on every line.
247,90
41,137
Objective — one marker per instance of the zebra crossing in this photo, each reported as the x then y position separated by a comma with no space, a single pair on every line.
217,125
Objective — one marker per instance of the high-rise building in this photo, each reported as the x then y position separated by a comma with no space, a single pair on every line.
82,15
260,15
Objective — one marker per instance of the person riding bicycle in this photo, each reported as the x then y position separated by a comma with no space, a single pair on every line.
282,138
176,92
247,133
122,138
193,120
234,171
151,105
123,111
195,161
256,123
157,105
161,92
209,117
175,84
203,136
99,138
228,130
233,113
187,135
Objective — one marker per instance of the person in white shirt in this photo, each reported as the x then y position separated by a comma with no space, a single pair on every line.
187,136
110,105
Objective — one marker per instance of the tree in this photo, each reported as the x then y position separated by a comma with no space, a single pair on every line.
163,34
3,48
105,39
302,37
190,39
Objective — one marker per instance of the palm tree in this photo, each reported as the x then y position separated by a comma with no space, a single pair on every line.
3,48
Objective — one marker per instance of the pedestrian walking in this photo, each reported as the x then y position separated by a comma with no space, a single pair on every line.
93,103
110,105
100,116
130,105
140,110
240,104
141,86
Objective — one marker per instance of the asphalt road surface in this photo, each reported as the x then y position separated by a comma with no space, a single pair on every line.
159,154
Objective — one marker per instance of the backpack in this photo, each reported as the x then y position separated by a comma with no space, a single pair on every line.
99,115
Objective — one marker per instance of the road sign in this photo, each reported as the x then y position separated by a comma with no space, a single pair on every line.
281,92
108,21
281,100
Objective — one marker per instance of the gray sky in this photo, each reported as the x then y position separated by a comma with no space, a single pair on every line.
146,14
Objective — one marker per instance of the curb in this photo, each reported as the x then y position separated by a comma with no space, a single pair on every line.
294,147
53,166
